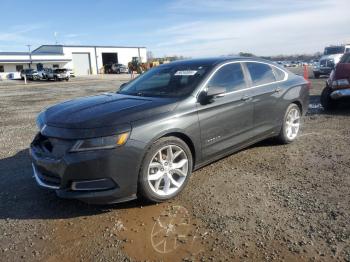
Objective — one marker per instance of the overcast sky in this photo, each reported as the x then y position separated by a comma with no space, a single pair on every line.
180,27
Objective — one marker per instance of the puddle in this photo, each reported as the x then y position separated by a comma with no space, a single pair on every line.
162,232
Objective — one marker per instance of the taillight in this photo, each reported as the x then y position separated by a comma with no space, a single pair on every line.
340,83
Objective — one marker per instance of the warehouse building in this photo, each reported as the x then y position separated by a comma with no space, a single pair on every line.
83,60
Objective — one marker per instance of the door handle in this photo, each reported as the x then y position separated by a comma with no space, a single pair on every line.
246,98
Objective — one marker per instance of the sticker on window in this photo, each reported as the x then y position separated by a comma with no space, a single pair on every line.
186,73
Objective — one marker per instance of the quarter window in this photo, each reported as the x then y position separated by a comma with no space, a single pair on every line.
279,74
2,69
230,77
260,73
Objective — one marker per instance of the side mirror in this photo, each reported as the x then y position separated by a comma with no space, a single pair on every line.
206,96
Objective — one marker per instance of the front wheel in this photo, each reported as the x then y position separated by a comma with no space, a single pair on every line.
165,170
291,124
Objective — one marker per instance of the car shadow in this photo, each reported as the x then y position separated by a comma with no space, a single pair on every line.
21,198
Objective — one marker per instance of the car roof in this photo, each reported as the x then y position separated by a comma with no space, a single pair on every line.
213,61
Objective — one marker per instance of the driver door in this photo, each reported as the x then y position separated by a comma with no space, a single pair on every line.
227,120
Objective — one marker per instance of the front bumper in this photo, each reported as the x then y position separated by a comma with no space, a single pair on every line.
98,177
341,93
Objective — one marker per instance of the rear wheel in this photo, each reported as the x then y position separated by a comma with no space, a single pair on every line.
165,170
317,75
326,101
291,124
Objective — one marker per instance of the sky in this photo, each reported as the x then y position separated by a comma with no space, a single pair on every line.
191,28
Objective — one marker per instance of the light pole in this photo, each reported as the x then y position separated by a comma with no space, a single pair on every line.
30,56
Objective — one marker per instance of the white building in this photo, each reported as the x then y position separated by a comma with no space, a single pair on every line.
83,60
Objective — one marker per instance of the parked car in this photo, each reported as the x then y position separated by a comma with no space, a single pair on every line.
338,84
44,72
331,57
71,72
30,74
116,69
57,74
147,138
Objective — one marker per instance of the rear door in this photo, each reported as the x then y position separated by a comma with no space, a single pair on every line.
228,120
266,91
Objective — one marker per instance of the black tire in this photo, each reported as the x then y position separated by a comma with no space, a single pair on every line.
326,101
67,79
282,137
55,78
144,189
317,75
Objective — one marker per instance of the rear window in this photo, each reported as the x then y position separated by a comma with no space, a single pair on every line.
260,73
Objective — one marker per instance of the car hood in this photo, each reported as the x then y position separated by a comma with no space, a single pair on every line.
104,110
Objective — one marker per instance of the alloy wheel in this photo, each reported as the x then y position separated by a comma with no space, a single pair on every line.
292,125
167,170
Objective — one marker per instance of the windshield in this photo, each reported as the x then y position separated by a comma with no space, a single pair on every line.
334,50
167,81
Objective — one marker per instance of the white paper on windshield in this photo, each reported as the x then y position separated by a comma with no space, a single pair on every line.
186,73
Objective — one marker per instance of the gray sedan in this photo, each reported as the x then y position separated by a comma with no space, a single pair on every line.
146,139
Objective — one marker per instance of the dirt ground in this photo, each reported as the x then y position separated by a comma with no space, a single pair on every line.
267,202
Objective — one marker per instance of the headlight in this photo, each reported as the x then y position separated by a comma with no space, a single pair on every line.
107,142
340,83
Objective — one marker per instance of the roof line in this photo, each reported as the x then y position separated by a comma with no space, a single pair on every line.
97,46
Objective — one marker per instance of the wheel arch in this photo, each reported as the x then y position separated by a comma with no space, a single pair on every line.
299,104
187,140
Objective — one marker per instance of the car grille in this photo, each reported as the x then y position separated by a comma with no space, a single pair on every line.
52,147
327,63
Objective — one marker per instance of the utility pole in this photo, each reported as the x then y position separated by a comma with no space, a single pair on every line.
30,56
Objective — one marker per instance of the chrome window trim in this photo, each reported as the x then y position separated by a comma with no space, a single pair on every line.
244,89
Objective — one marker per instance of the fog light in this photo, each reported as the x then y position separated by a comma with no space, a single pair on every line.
93,185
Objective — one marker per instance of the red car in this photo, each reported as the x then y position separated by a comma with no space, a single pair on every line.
338,84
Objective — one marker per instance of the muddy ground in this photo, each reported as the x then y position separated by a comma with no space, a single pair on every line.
267,202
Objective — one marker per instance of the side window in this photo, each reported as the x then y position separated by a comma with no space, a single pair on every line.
2,69
279,74
229,76
260,73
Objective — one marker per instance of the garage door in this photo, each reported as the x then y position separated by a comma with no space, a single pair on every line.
81,63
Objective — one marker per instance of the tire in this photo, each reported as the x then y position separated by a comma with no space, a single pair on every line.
55,78
285,137
326,101
165,168
67,79
317,75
